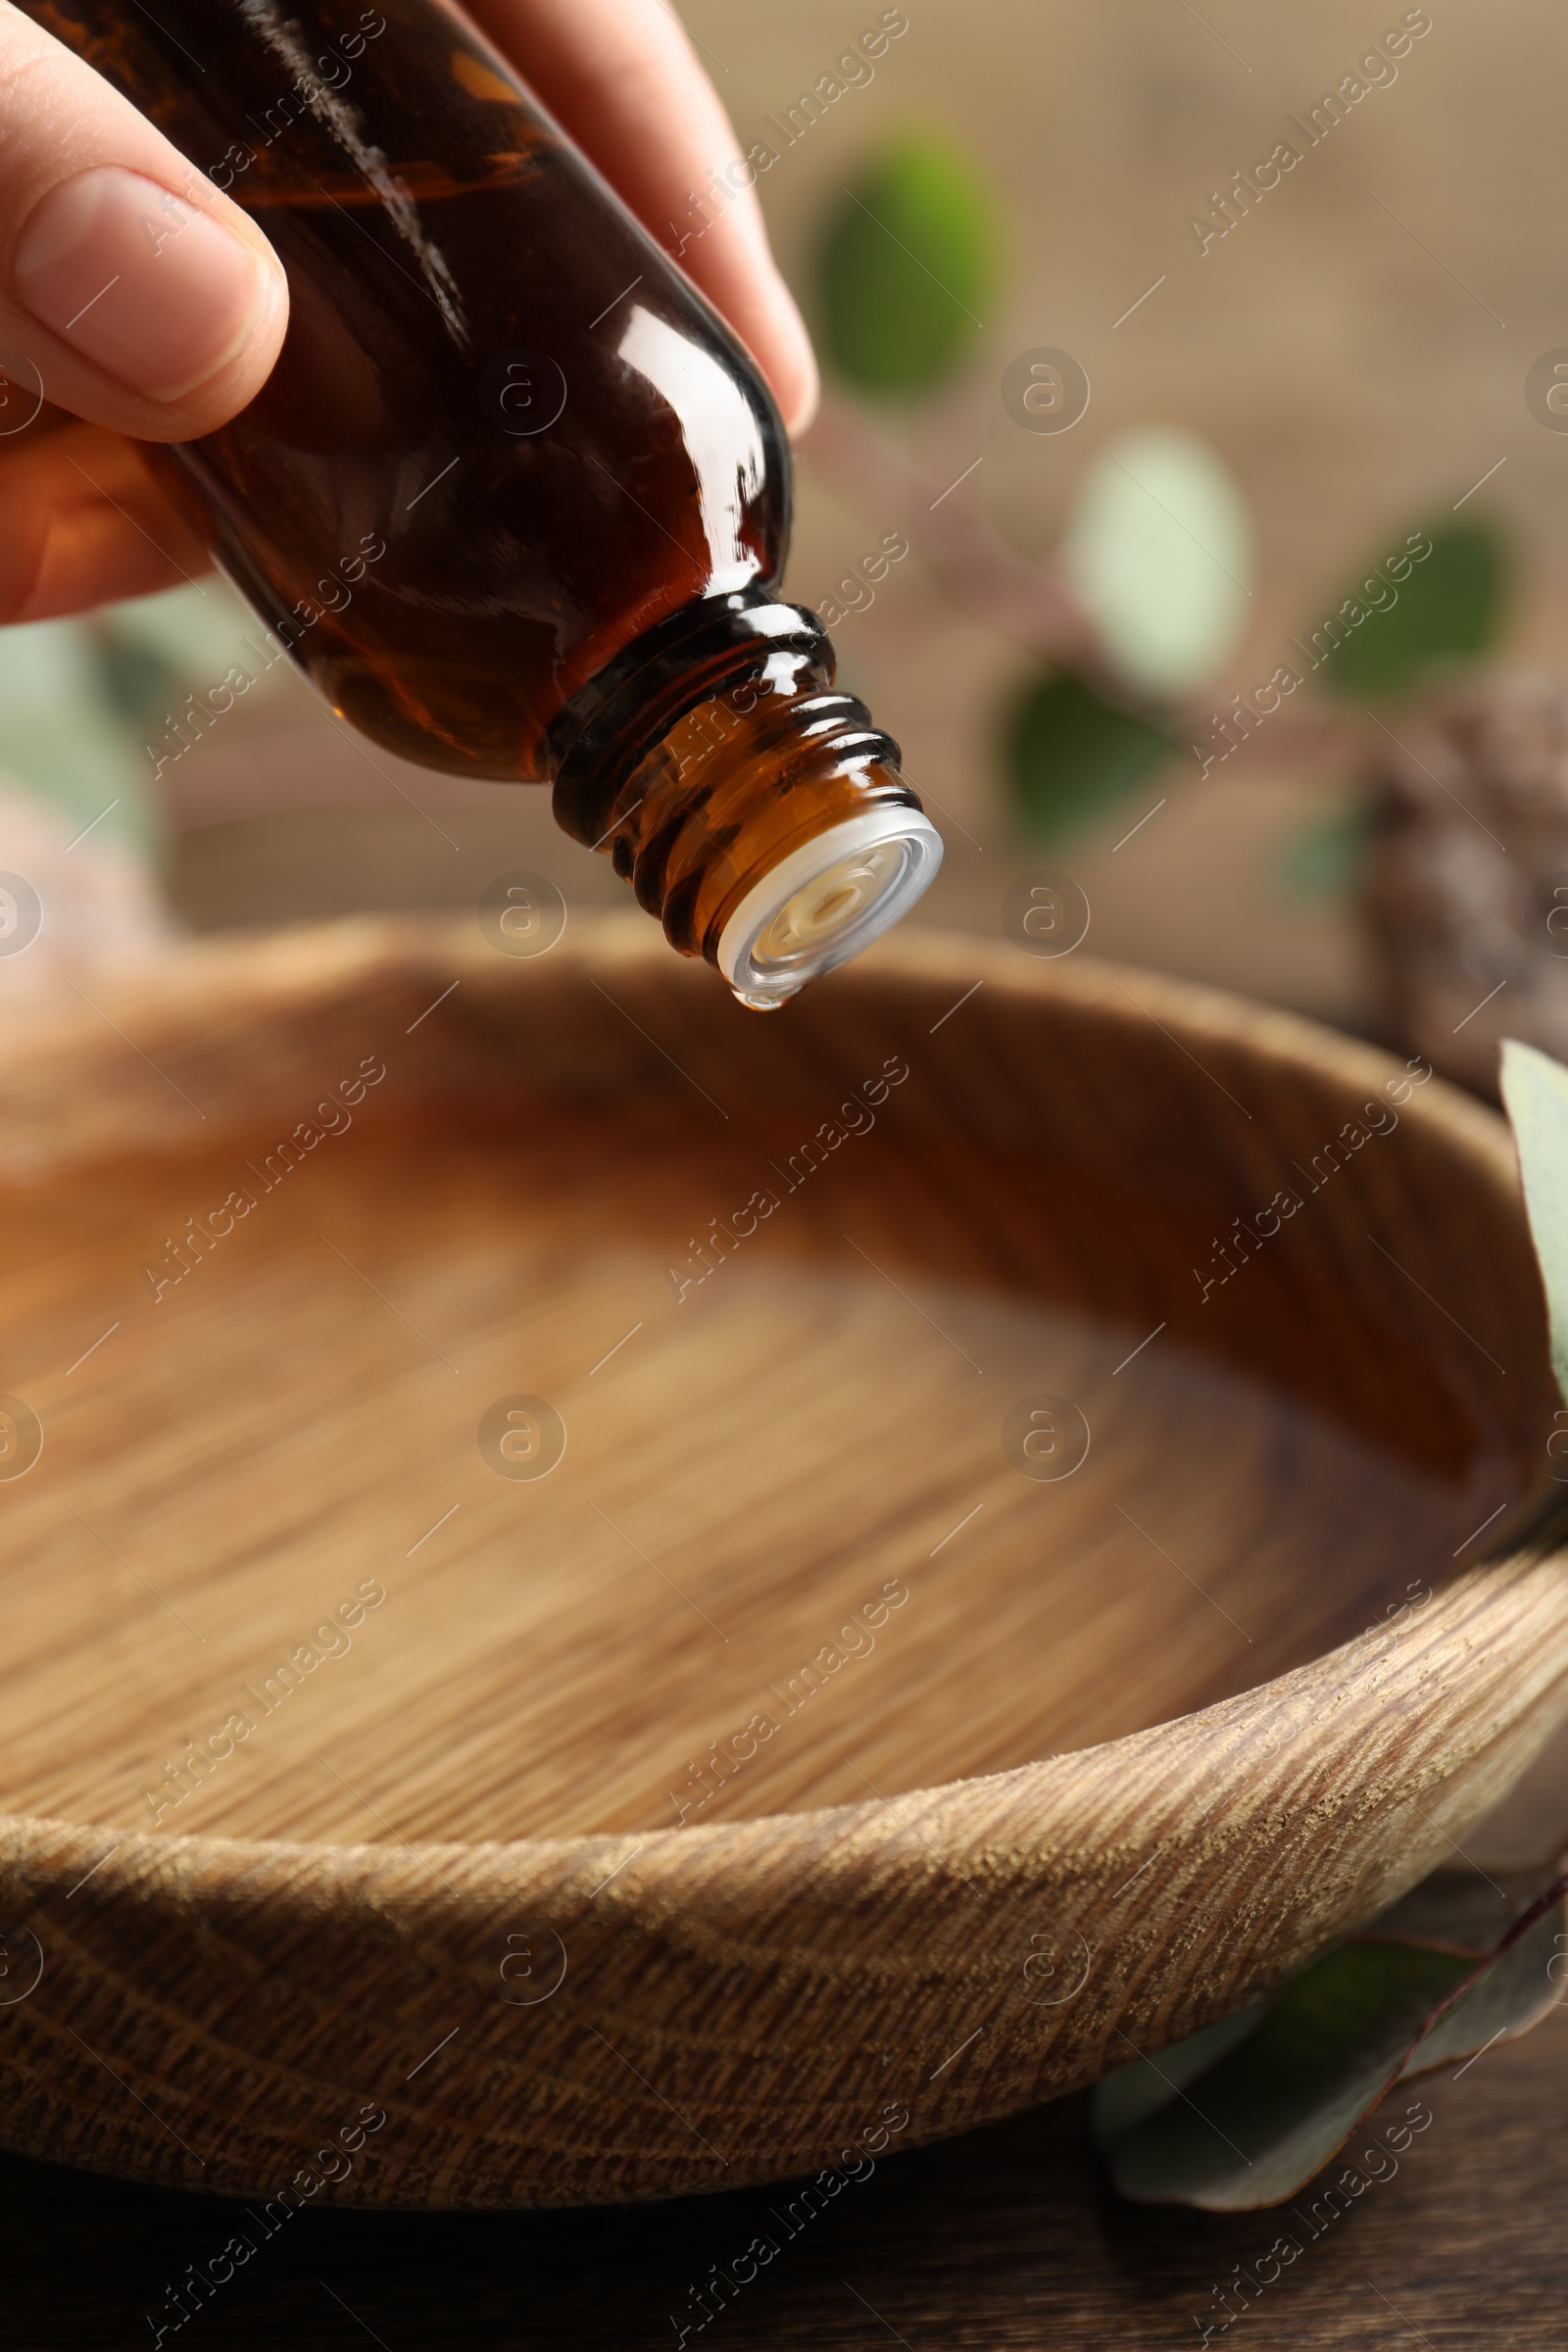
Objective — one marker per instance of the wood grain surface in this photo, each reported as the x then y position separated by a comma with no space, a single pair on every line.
788,1759
1005,2240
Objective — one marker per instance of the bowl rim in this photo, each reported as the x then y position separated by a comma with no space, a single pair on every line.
1359,1764
257,966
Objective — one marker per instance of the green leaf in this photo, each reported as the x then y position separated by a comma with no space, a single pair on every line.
1324,856
60,734
907,261
1070,755
1387,634
1258,2125
1159,550
1128,2097
1535,1094
135,682
1440,1978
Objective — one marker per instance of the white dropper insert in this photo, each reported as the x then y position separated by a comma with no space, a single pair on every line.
826,902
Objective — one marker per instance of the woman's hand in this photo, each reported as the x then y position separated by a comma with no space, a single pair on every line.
144,305
132,295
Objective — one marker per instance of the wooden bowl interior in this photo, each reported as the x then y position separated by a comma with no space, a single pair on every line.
784,1499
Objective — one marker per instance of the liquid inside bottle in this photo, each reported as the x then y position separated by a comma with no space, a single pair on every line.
514,498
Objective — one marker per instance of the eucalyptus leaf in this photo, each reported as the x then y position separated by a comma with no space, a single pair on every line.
1535,1094
1250,2128
1070,755
62,735
1128,2097
909,259
1159,548
1255,2127
1324,857
1505,1999
1387,633
195,631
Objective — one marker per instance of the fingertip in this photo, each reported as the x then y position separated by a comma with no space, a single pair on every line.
781,345
253,354
799,408
171,313
242,365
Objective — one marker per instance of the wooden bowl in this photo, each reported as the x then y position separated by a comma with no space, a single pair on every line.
1008,1591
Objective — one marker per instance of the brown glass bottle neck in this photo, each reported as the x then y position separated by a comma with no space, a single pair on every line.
713,749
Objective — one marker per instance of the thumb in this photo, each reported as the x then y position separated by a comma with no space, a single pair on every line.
132,292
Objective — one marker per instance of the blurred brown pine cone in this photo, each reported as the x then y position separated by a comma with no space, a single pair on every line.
1466,884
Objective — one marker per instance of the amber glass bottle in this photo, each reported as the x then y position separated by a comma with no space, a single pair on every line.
514,497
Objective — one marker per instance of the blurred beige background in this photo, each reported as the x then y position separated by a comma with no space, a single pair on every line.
1356,351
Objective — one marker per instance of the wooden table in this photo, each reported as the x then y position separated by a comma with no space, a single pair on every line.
1005,2238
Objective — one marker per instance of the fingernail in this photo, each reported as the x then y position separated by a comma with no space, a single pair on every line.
140,283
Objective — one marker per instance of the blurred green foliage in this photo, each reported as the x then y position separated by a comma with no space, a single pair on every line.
1070,755
1158,547
1323,859
909,256
63,733
1449,608
81,700
1157,542
1535,1094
